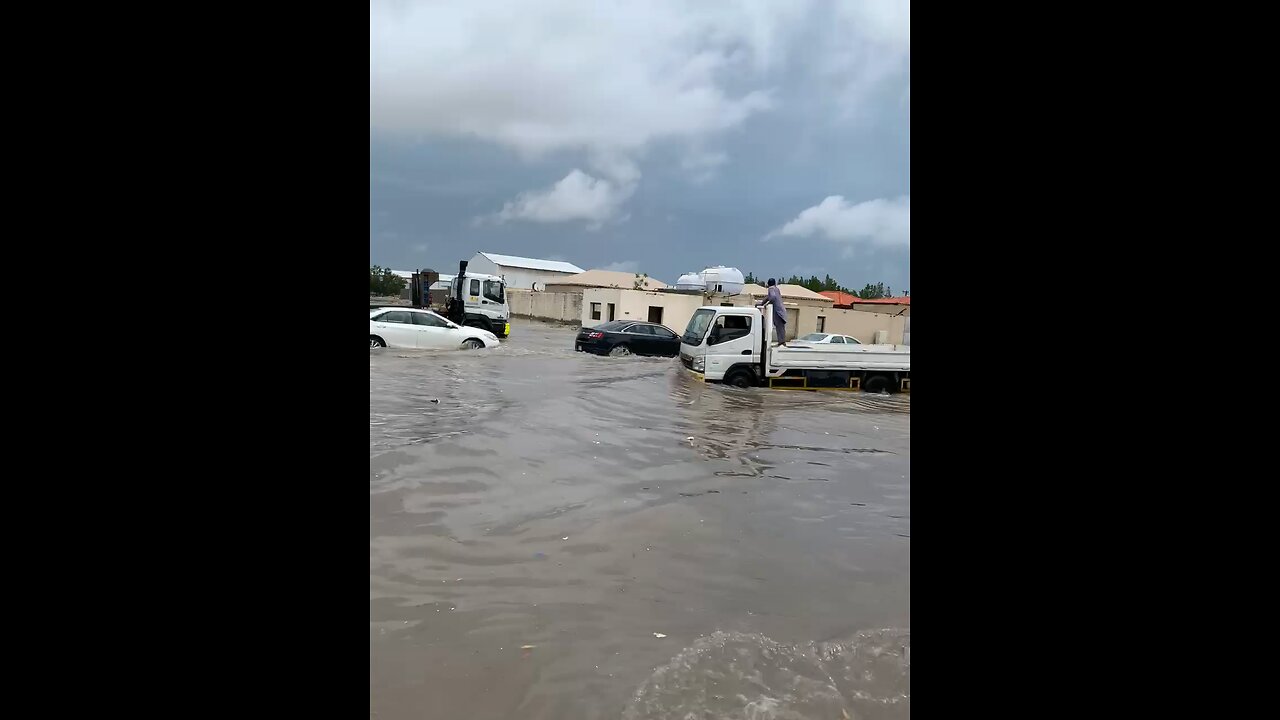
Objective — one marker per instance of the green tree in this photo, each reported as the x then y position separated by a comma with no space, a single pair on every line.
749,278
384,282
873,292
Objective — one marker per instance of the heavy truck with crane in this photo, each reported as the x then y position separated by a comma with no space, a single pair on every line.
470,299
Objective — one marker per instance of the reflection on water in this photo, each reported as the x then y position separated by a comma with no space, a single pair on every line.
536,515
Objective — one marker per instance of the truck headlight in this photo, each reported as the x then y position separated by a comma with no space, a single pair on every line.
699,362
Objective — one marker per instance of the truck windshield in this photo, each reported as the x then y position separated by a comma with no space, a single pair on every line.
698,325
493,290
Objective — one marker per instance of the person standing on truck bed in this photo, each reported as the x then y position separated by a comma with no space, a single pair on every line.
774,298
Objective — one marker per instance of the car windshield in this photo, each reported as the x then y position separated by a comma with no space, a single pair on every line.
814,337
697,327
493,290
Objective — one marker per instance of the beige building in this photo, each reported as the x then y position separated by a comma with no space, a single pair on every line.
602,279
803,306
807,311
670,308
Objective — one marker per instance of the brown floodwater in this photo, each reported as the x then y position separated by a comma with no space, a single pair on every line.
570,537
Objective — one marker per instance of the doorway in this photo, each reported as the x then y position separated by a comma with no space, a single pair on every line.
611,309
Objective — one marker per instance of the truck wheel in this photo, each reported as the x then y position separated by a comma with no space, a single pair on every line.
739,379
876,383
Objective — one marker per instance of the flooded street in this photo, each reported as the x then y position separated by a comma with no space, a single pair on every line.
570,537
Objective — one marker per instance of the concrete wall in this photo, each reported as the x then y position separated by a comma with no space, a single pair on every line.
558,307
635,304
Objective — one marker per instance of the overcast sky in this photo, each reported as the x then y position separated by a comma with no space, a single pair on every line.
658,136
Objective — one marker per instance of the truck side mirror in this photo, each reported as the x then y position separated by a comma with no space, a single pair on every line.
715,334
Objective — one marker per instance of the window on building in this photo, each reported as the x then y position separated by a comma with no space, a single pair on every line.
655,314
595,311
822,323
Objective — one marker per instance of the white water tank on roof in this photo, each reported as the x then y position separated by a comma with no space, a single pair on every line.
723,280
690,281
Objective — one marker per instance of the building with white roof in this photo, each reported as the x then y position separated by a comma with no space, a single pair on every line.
521,272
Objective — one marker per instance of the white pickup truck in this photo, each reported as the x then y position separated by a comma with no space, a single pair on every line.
728,344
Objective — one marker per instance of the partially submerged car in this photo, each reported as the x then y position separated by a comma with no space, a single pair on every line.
628,337
405,327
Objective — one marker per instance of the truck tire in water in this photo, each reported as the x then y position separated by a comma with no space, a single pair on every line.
739,379
876,383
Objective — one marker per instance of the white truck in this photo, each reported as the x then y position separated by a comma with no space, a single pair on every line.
477,300
730,345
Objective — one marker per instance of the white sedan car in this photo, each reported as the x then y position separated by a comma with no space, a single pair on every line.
406,327
827,339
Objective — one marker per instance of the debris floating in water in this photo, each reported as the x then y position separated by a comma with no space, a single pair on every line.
659,635
566,537
528,647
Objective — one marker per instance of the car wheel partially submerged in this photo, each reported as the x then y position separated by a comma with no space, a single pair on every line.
620,351
472,344
376,342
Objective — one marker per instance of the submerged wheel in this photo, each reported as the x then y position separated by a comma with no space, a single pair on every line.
877,383
739,379
620,351
472,344
376,342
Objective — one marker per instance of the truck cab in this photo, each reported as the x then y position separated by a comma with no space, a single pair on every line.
724,341
478,300
727,344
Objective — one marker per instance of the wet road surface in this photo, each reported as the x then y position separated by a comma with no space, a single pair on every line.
533,531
